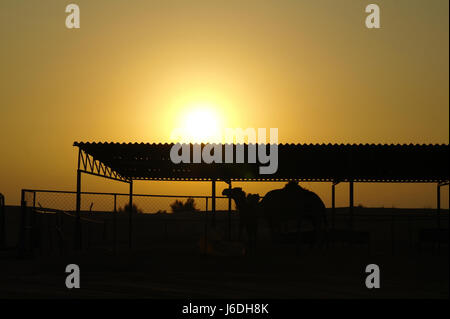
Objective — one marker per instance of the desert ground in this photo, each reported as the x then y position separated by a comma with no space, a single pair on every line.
168,258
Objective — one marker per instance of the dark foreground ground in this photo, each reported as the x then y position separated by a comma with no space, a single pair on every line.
166,272
167,262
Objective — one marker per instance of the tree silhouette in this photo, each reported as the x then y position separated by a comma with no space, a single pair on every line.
188,206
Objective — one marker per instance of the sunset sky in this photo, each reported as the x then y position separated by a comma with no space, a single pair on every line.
137,70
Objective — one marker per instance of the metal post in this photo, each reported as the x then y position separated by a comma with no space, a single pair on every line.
78,233
36,230
213,204
333,205
392,232
351,205
130,214
205,230
409,231
22,230
2,222
438,216
115,225
229,213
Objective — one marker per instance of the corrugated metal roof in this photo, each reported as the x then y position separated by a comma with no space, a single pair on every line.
307,162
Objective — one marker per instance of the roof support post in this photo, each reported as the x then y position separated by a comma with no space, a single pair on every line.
438,206
205,230
229,213
213,202
438,210
351,204
333,205
130,216
78,233
438,213
115,225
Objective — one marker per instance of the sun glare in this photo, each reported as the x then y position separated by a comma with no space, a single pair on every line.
200,123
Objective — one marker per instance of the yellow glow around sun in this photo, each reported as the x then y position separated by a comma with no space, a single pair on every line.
199,123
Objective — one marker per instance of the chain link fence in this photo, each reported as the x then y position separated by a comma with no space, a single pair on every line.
108,202
49,219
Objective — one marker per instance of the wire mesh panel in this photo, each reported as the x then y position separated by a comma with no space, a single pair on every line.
48,222
50,219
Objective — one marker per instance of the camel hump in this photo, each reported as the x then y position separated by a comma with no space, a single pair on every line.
271,195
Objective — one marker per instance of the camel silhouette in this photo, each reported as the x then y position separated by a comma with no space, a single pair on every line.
293,202
290,203
247,206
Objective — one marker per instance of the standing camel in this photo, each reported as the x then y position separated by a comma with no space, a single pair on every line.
294,202
247,206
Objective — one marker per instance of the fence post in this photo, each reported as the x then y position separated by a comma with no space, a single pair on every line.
78,233
22,230
115,225
130,215
2,222
392,232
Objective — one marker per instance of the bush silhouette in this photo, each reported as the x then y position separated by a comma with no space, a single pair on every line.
126,209
188,206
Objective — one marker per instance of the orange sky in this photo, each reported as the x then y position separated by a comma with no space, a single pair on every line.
310,68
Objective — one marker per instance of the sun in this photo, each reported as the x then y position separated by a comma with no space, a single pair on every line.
200,123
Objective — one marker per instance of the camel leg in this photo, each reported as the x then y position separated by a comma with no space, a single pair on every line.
313,237
299,241
319,231
272,230
249,238
255,235
241,227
